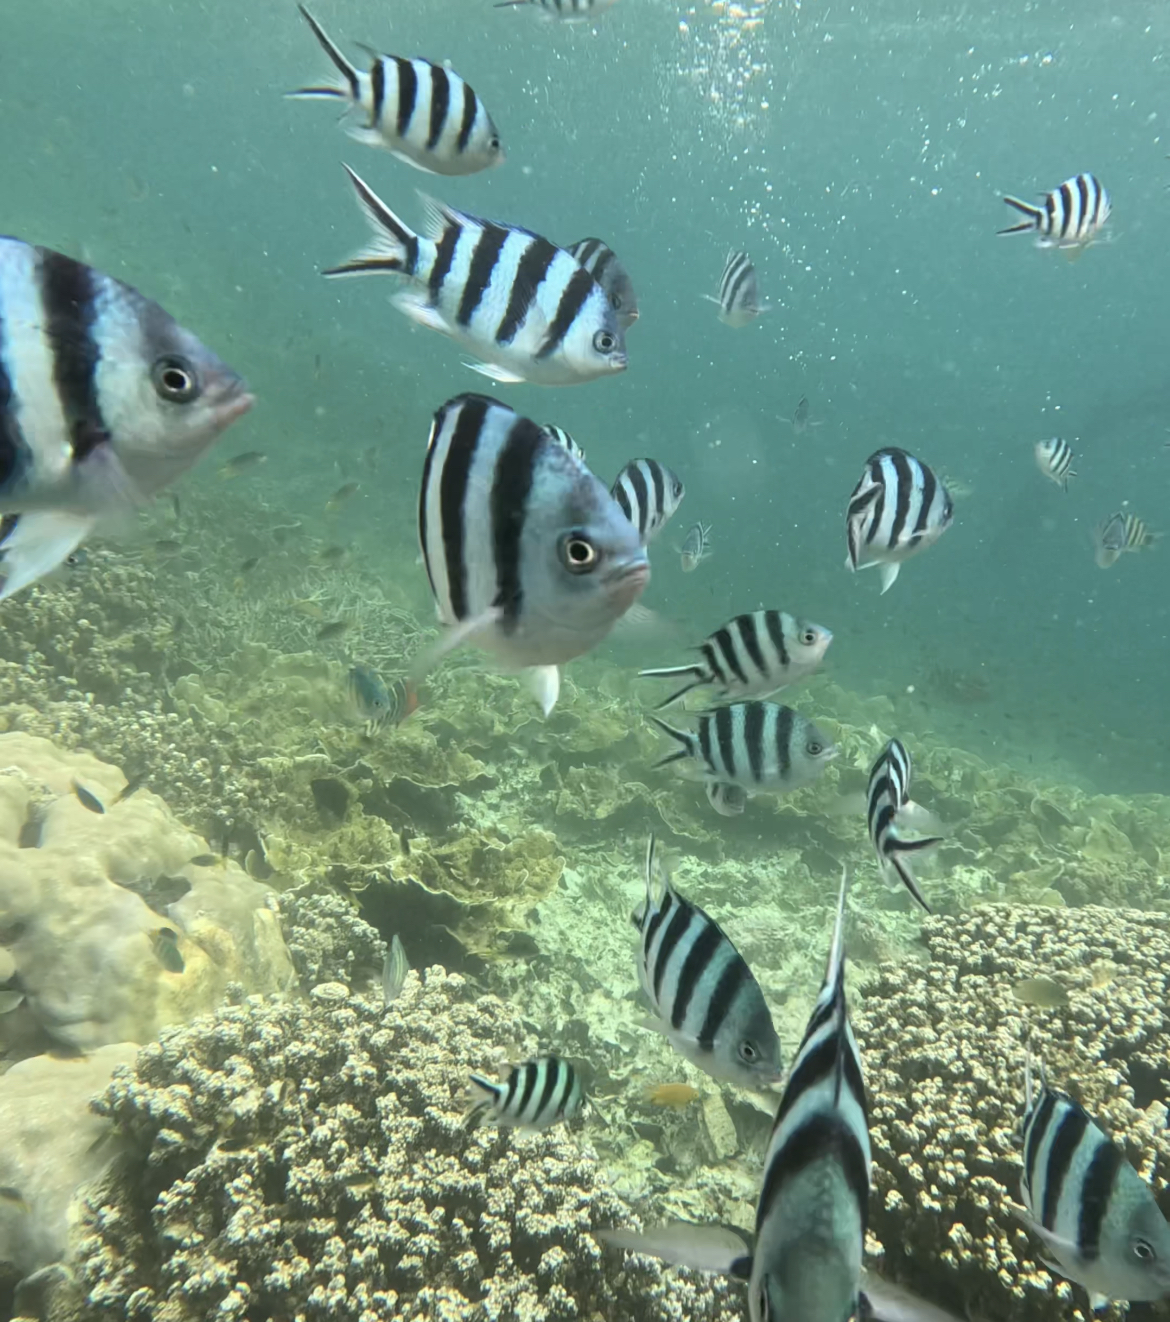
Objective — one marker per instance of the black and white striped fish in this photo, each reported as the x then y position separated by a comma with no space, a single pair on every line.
1069,217
600,260
706,1001
562,437
756,745
727,800
887,797
104,400
897,509
739,291
535,1095
1092,1211
516,301
696,547
567,11
528,555
751,656
1054,459
1119,533
648,493
424,114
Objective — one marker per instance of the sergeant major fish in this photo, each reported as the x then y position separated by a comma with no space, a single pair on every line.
1117,534
1092,1211
727,800
1070,217
535,1095
888,797
751,656
1054,459
706,1001
516,301
104,399
897,509
739,293
696,547
600,260
528,555
567,11
424,114
648,494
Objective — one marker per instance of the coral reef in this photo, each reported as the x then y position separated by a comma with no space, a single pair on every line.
944,1050
309,1159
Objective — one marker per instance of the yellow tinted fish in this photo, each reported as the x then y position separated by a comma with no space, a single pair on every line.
341,495
675,1096
1041,992
240,463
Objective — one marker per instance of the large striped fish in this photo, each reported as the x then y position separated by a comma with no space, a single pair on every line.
1093,1212
805,1262
519,303
528,555
648,493
1070,217
535,1095
706,1001
887,800
104,399
423,113
739,292
897,509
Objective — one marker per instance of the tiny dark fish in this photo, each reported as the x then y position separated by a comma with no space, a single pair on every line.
165,941
202,861
241,463
330,795
334,629
333,555
133,784
157,892
78,559
249,564
176,506
341,495
168,546
87,799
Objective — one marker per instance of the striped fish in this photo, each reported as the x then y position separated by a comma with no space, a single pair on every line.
1069,217
517,302
377,703
1119,533
648,493
567,11
696,547
528,555
562,437
897,509
424,114
104,400
750,657
706,1002
1094,1214
727,800
1054,459
602,264
739,292
756,745
535,1095
887,796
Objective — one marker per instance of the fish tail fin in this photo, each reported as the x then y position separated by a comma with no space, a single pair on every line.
836,950
395,245
350,88
33,545
507,4
484,1095
695,674
893,858
1034,213
684,737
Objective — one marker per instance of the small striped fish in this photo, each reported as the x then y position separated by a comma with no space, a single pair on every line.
520,304
648,493
104,400
1094,1214
707,1003
727,800
424,114
377,703
1069,217
567,11
696,547
1054,459
756,745
1119,533
562,437
887,796
739,292
527,554
813,1205
602,264
535,1095
897,509
750,657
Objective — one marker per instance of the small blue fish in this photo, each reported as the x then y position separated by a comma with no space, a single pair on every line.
375,703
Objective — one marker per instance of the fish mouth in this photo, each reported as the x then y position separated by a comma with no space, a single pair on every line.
231,399
618,361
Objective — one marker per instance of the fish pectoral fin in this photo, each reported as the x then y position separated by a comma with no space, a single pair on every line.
496,373
720,1249
454,637
38,544
889,576
545,684
414,305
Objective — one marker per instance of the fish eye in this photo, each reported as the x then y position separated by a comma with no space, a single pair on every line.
616,302
174,379
494,144
814,749
578,553
604,342
808,638
748,1052
1143,1251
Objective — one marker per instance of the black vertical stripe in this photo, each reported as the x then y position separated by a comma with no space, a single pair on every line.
484,257
467,123
377,93
877,472
711,657
824,1135
655,918
1070,1130
514,1076
748,631
722,640
734,977
706,746
511,487
639,498
573,299
13,450
1095,1194
440,100
428,464
407,94
754,714
675,930
531,1072
774,622
530,273
903,489
703,950
552,1079
444,256
69,299
926,509
658,508
1048,225
734,292
600,262
622,496
785,720
453,484
725,733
